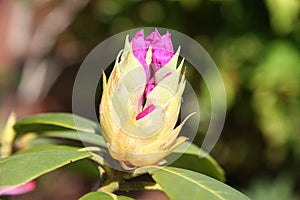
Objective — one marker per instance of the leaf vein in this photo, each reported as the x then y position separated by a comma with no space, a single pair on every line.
197,183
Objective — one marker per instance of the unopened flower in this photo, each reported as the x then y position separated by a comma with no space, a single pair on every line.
141,101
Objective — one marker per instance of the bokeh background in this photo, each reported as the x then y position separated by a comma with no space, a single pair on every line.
255,44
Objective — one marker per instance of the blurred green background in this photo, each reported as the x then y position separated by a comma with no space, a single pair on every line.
255,44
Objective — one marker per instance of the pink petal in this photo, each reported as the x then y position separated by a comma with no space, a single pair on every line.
21,189
139,48
150,85
162,49
145,112
160,58
166,42
162,52
153,38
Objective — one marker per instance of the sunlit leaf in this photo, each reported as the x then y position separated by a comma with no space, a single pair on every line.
91,138
193,158
56,121
23,167
181,184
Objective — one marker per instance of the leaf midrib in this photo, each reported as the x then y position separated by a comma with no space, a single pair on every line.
197,183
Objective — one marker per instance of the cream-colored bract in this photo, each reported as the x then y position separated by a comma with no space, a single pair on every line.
148,140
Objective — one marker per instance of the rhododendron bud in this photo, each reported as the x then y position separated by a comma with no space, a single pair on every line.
141,101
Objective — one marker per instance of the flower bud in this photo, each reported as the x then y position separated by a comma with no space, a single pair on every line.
141,101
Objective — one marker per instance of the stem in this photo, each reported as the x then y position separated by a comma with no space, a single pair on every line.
112,181
136,173
139,186
111,187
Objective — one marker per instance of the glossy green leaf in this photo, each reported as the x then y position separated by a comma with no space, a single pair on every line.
38,141
103,196
191,157
47,148
91,138
180,184
56,121
25,166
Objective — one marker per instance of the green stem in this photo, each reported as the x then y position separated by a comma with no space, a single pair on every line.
136,173
112,181
139,186
110,187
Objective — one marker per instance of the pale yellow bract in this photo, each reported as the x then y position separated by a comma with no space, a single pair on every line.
148,140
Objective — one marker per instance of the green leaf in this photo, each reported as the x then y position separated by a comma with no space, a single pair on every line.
37,141
103,196
91,138
181,184
85,167
32,140
56,121
193,158
46,148
32,163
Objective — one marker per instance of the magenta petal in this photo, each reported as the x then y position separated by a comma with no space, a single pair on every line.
21,189
166,42
139,48
150,85
160,58
162,50
153,38
145,112
138,41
